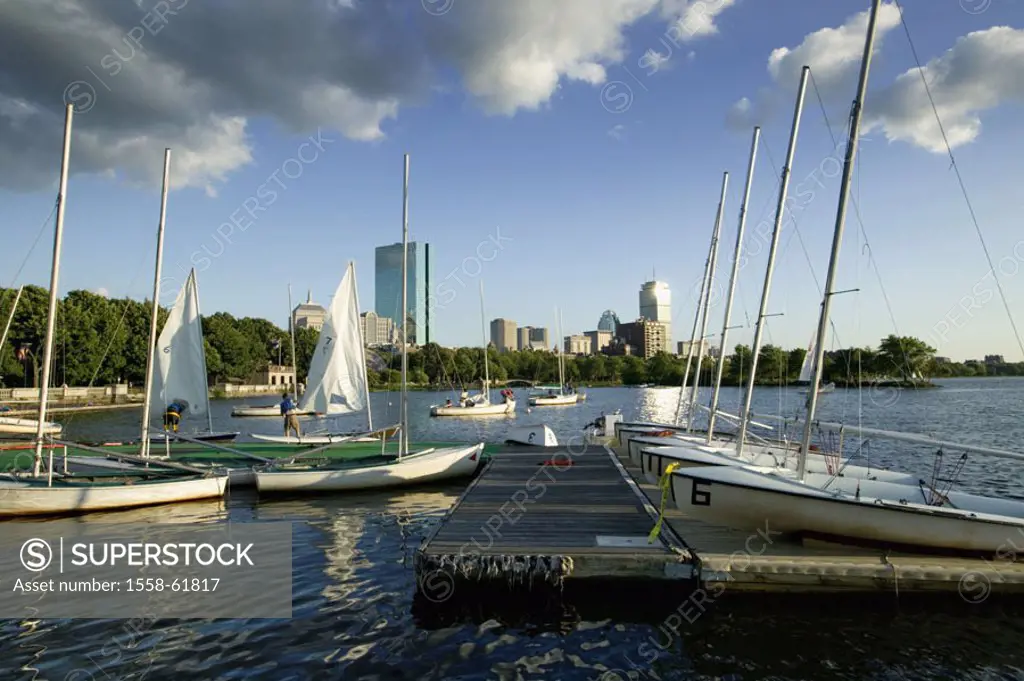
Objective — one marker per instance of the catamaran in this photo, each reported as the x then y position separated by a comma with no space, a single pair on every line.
181,365
338,383
56,493
478,405
408,467
922,515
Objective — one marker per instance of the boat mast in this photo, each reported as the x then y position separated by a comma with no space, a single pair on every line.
707,301
51,316
202,349
154,318
780,211
291,331
732,283
403,436
844,193
10,317
693,336
362,350
483,330
560,346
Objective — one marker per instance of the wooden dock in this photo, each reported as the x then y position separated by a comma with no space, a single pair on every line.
556,516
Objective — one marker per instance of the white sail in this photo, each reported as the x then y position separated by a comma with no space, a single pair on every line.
807,370
337,372
180,359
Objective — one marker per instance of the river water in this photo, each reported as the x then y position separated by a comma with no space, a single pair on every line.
353,581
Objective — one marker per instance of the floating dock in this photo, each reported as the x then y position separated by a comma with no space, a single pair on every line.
554,516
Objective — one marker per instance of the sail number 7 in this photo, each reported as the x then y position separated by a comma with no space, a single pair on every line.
700,493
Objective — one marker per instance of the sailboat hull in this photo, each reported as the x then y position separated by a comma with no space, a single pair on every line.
34,497
885,513
555,400
475,410
265,411
431,465
201,437
325,439
14,426
654,461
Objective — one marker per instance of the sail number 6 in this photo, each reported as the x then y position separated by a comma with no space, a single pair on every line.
700,493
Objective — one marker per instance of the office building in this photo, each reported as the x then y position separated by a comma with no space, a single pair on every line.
656,305
377,330
503,334
532,338
576,345
308,315
683,348
388,289
645,335
599,340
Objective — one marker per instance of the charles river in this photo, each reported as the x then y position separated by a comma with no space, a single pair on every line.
353,581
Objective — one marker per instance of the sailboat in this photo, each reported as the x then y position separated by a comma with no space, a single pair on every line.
478,405
556,396
57,494
856,511
10,425
337,374
408,467
181,365
655,452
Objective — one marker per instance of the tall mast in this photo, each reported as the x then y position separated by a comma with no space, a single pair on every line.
707,301
561,352
51,316
693,333
291,331
362,351
10,317
202,349
844,193
732,283
483,330
403,437
154,318
780,211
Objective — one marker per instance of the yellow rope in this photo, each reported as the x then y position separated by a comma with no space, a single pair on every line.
664,483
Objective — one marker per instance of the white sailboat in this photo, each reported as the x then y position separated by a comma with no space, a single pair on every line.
478,405
181,366
10,425
52,494
857,511
409,467
807,373
556,396
338,384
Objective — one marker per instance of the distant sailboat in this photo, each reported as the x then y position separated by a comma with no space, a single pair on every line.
338,384
807,372
10,425
181,365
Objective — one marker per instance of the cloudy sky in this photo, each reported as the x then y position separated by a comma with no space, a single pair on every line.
562,152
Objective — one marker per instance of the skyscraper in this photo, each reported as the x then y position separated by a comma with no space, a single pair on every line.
609,322
656,305
503,334
388,288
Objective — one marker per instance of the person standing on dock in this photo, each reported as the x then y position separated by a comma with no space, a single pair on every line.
172,415
291,421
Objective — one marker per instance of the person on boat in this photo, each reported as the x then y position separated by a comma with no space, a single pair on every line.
448,402
464,399
291,421
172,415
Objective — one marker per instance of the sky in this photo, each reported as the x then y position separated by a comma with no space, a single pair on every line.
562,153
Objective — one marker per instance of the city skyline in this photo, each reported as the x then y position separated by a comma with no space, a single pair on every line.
559,159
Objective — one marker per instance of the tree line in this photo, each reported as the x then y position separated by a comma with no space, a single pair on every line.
100,341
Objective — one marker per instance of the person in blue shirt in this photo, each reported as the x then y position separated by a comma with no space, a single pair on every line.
172,415
291,421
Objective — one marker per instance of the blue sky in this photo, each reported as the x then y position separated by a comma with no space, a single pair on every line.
584,202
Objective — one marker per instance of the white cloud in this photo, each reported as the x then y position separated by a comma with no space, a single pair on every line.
694,18
982,70
834,55
102,292
617,132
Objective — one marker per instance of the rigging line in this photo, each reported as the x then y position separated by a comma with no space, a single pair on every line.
863,231
959,177
35,243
